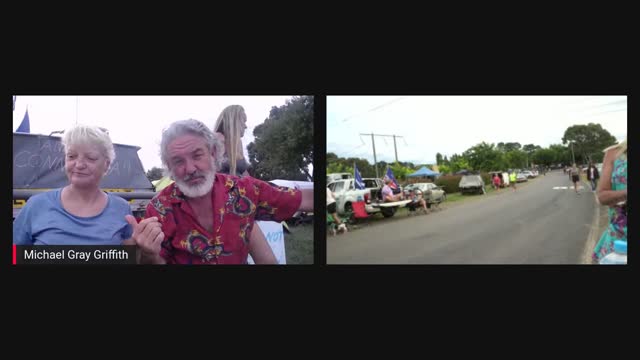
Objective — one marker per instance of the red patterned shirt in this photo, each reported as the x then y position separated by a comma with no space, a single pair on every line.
237,203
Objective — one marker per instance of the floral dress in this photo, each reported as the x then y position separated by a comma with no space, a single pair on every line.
617,228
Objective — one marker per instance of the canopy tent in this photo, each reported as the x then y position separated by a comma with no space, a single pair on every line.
424,172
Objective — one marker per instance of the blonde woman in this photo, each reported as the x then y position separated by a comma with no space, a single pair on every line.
230,127
81,213
612,191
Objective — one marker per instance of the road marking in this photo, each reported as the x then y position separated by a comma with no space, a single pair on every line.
565,188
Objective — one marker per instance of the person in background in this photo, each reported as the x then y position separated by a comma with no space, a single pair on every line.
612,192
496,181
230,128
331,209
81,213
417,200
593,176
513,179
387,192
574,174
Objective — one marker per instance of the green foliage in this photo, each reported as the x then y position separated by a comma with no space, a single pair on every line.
588,141
544,157
400,171
283,146
484,157
449,183
444,169
154,173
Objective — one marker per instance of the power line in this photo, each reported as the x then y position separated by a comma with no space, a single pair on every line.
375,160
375,108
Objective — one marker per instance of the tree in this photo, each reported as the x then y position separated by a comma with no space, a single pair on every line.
444,169
337,167
337,164
561,154
588,141
154,174
529,149
544,157
458,163
399,172
283,146
331,157
445,161
438,159
516,159
506,147
484,157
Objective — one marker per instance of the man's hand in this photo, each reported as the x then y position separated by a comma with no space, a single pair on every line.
147,235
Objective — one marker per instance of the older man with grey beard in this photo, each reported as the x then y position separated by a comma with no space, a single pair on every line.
206,216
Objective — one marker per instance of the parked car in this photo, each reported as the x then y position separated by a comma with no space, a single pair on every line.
472,184
346,193
521,177
431,192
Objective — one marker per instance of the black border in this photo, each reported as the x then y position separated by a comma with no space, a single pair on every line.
468,72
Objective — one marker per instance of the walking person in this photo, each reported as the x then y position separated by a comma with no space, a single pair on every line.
593,176
574,174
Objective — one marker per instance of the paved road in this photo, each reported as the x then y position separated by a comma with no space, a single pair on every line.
543,222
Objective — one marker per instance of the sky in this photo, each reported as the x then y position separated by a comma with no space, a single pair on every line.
452,124
137,120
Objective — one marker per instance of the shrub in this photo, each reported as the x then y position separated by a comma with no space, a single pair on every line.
449,183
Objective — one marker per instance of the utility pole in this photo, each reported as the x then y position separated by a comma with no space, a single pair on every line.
395,147
375,161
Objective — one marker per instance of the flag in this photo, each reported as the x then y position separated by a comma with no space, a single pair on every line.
24,125
394,183
359,183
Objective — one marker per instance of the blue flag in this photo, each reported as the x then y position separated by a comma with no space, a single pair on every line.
24,125
359,183
394,184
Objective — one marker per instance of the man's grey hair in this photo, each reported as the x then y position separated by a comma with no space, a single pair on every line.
191,127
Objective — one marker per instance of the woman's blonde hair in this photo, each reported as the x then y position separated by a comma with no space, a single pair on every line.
622,149
229,124
90,135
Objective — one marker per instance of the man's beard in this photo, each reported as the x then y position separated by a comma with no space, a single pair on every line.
194,191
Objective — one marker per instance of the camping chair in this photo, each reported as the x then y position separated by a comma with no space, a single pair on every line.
359,211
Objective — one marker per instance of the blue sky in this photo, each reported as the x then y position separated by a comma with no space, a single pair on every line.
452,124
